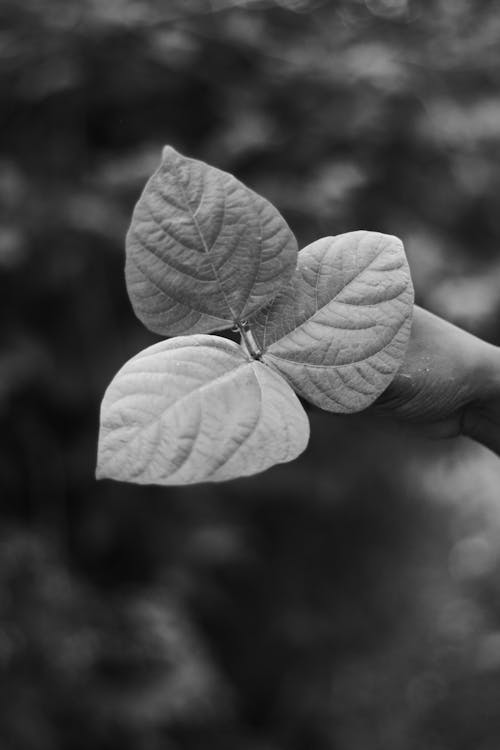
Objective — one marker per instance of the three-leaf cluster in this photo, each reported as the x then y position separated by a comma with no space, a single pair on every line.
205,253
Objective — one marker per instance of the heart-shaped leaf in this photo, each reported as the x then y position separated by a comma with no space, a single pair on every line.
197,409
339,330
203,250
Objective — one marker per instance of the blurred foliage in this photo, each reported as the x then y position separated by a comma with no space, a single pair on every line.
350,599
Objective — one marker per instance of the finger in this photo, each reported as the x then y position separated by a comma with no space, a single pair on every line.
483,424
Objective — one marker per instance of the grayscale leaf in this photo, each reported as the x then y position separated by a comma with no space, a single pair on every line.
340,329
197,409
203,251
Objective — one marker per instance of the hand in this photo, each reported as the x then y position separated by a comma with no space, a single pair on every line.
448,385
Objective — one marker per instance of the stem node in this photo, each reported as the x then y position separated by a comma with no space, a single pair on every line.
248,340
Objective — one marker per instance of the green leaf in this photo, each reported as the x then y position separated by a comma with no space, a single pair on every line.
197,409
339,331
203,250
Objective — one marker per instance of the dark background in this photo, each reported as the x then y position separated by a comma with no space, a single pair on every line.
349,600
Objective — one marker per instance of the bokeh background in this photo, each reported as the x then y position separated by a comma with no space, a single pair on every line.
348,600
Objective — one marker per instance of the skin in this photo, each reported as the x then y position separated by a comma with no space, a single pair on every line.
448,385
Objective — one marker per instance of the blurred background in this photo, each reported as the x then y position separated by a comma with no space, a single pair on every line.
348,600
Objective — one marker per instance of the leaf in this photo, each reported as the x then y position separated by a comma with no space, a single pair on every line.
203,251
339,331
197,409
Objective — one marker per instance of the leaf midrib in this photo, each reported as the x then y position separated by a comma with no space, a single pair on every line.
202,238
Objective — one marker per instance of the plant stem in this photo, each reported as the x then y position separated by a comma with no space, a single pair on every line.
248,340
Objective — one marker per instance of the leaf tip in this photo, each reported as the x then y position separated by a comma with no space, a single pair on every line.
168,153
